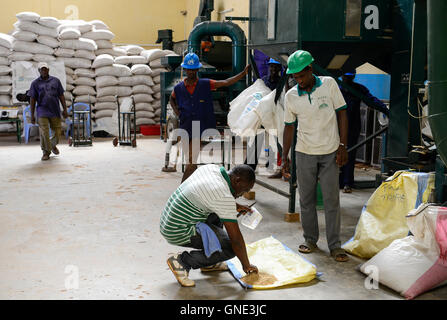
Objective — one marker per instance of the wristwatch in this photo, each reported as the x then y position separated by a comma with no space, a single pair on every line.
342,144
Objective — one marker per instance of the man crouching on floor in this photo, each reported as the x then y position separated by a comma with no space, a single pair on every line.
194,217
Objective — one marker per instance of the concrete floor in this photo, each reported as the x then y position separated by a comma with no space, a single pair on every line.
94,212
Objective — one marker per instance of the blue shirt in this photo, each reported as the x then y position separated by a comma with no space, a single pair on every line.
47,93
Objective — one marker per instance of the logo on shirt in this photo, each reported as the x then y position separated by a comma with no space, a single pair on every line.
324,105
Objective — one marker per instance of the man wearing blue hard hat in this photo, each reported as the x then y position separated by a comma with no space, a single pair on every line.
271,79
191,100
346,179
317,104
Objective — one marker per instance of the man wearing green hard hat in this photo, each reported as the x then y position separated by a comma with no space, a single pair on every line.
317,104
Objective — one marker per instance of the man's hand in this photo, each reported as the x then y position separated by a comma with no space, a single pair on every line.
285,169
33,119
247,69
342,156
250,269
65,113
243,209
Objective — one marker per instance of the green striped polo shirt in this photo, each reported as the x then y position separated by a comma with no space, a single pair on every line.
206,191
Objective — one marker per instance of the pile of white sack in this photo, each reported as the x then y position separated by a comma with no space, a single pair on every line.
97,72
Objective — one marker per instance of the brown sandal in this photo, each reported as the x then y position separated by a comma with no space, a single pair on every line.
307,247
339,255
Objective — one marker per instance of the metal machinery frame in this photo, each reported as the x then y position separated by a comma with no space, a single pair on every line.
126,120
81,135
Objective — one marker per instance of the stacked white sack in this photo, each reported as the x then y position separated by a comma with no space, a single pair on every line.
6,43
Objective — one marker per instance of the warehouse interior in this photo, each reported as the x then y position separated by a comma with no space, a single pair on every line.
85,224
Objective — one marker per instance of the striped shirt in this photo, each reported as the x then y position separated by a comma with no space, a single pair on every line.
206,191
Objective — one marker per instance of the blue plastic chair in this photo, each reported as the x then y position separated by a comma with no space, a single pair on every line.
27,125
79,106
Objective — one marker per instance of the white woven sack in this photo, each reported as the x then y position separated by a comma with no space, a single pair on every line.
20,56
156,95
63,52
5,80
106,105
83,72
79,44
155,63
49,22
141,97
69,33
141,69
6,40
44,58
156,87
4,61
133,50
114,91
99,35
157,112
68,96
5,70
5,89
131,60
84,90
76,62
85,81
106,99
117,70
102,61
141,121
144,106
103,113
69,79
141,88
4,52
157,71
90,55
144,114
106,81
48,41
86,99
156,104
36,28
28,16
104,44
5,100
156,79
32,47
80,25
152,54
69,87
143,79
99,25
125,81
24,35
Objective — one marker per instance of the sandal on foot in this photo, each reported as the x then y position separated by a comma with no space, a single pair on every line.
347,189
221,266
180,273
307,247
339,255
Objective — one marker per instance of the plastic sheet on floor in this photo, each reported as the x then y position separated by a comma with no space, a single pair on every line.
277,264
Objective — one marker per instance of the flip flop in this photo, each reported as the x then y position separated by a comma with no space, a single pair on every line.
339,255
307,247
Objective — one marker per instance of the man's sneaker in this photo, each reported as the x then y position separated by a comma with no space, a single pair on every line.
180,273
45,157
55,150
221,266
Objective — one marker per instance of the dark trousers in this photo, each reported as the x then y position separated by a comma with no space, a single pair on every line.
197,259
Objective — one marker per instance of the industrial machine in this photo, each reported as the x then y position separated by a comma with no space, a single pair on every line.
392,35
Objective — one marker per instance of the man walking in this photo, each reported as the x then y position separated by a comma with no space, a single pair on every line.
195,215
318,106
46,92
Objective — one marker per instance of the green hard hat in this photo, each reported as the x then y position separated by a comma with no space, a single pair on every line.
298,61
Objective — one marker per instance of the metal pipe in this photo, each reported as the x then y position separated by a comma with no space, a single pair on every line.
437,73
213,28
272,188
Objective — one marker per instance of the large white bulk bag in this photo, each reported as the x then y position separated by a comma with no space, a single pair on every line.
48,41
49,22
417,263
131,60
106,81
84,90
140,69
104,44
85,54
117,70
85,81
32,47
69,33
83,72
44,58
36,28
81,43
99,35
76,62
6,40
5,70
24,35
102,61
28,16
63,52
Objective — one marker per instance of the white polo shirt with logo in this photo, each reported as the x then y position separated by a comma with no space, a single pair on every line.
316,115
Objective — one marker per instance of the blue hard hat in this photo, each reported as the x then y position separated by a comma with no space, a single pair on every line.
273,61
350,73
191,61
